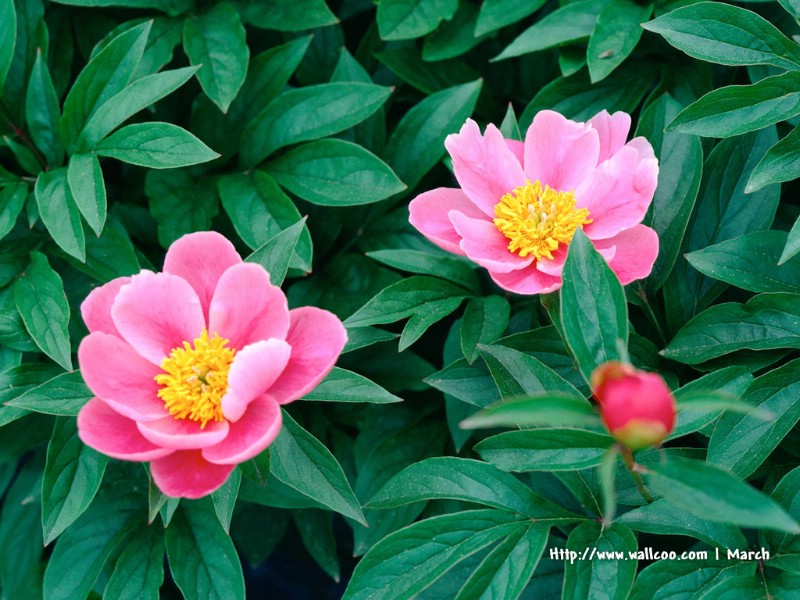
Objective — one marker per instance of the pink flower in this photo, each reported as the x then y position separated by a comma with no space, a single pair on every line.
637,407
190,366
520,203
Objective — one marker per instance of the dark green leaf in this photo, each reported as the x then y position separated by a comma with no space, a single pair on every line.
342,385
12,199
155,145
215,42
540,410
257,468
42,112
499,13
287,15
302,462
591,577
614,36
309,113
545,449
335,173
593,307
665,579
727,35
780,163
224,499
139,571
714,494
64,395
8,17
40,299
517,374
417,143
446,266
180,202
455,37
60,213
275,254
202,558
786,494
408,19
85,179
792,246
316,531
71,479
764,322
485,319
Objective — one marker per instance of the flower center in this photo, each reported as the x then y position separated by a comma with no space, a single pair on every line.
537,220
196,379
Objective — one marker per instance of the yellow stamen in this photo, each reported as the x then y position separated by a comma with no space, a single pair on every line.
196,379
536,221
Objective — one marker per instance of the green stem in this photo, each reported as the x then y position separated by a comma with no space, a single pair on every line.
633,468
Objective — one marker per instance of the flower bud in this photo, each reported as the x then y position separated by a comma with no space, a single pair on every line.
637,407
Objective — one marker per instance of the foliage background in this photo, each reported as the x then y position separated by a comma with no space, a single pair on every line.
301,129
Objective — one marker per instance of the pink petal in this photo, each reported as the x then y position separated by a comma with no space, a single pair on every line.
612,130
250,435
201,258
527,281
486,169
187,474
247,308
483,243
429,215
156,313
102,428
643,147
121,377
635,251
255,368
518,148
618,193
183,434
559,152
317,338
96,309
556,266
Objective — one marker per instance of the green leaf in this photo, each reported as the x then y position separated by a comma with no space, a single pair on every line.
309,113
780,163
446,266
139,571
8,17
202,559
85,179
335,173
785,494
750,262
545,449
564,25
302,462
714,494
409,19
727,35
764,322
59,212
71,478
257,468
155,145
665,579
611,577
791,248
275,254
416,556
614,36
540,410
103,77
316,531
215,42
663,518
607,478
738,109
224,499
455,37
742,442
593,307
260,210
485,319
287,15
12,199
42,112
109,256
495,14
63,395
180,203
518,374
133,98
467,480
342,385
417,143
39,295
506,570
407,63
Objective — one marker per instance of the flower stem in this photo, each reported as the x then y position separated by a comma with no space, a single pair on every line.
633,468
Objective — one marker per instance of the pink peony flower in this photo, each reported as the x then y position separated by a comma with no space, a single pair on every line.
520,203
190,366
637,407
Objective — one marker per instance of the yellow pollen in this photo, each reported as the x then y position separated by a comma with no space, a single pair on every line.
196,379
536,221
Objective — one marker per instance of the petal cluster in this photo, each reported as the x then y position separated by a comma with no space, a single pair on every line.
136,323
637,407
609,180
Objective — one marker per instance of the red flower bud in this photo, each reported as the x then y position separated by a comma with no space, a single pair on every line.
637,407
